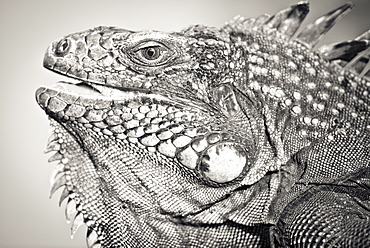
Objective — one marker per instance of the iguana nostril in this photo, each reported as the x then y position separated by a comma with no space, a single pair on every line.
63,47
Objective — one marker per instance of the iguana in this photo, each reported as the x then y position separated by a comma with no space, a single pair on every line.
239,136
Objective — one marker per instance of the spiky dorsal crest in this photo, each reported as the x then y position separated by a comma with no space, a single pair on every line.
351,55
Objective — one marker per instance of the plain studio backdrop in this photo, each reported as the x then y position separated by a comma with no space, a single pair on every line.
27,217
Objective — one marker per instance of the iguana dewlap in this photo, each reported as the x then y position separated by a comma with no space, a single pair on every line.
239,136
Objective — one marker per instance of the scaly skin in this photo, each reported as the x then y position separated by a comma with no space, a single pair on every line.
213,137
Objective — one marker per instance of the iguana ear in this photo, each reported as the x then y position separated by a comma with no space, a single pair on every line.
225,98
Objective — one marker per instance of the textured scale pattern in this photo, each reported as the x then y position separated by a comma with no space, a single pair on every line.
327,216
239,136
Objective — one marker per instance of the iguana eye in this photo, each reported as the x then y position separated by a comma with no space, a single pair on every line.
150,53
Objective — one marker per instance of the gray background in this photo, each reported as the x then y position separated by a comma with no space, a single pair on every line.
27,217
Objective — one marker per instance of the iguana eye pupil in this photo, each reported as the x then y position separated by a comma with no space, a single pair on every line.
151,53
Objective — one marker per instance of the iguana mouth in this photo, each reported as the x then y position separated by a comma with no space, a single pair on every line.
86,88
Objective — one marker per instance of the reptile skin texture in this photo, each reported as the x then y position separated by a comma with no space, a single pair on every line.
240,136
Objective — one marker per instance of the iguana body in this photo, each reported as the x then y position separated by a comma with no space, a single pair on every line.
235,137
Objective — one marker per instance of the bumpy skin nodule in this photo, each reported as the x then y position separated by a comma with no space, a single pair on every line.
234,137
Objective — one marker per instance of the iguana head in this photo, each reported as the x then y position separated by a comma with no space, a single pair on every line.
193,69
153,133
186,64
168,138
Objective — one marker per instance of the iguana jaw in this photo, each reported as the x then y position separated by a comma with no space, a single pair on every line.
89,89
94,85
